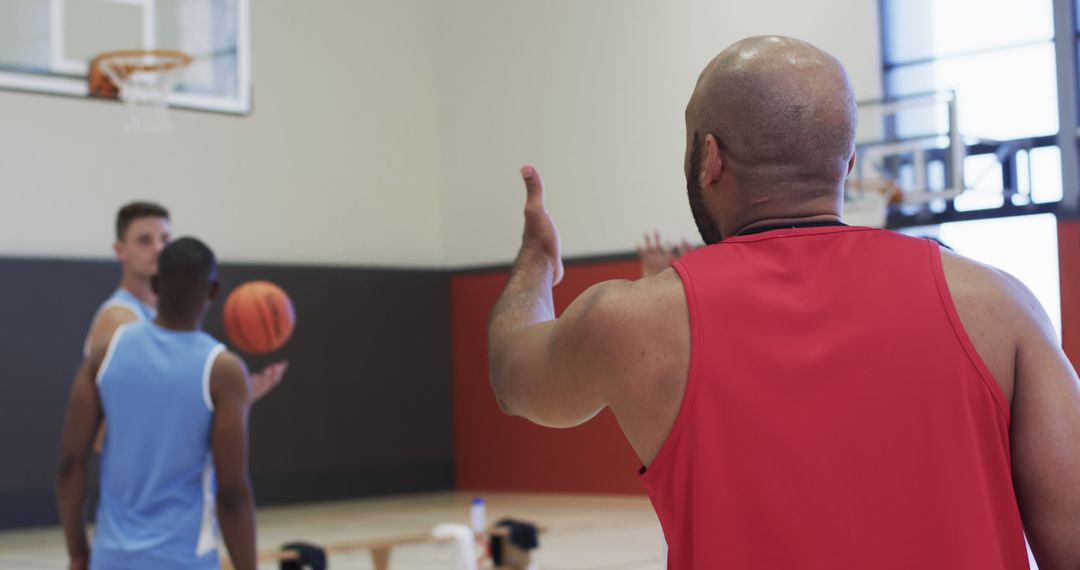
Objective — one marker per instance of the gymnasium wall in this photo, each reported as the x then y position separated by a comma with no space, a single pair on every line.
340,162
593,93
389,132
364,408
1069,267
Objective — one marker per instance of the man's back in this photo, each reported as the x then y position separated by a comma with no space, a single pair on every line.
770,141
835,406
157,496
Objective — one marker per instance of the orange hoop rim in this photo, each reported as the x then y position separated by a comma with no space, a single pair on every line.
170,59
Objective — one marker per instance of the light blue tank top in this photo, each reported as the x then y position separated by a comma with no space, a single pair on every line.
123,298
157,479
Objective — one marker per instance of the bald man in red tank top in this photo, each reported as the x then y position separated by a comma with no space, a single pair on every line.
802,393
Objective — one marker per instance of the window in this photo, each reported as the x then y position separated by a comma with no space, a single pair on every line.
999,58
1024,246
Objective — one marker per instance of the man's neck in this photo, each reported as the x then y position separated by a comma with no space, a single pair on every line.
178,323
743,227
138,287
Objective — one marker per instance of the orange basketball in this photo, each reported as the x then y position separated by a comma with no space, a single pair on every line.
259,317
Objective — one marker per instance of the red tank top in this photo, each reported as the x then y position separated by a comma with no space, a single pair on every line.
836,414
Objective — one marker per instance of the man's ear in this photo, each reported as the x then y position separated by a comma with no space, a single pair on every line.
714,165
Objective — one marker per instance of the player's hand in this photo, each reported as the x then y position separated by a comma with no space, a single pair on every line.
264,380
656,255
79,564
541,237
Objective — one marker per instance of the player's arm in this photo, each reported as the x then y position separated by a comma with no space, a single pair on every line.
230,391
105,324
548,370
101,332
266,379
1045,435
83,417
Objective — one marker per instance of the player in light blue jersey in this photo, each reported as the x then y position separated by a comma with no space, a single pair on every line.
142,231
177,404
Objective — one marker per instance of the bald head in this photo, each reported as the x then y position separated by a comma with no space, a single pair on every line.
782,110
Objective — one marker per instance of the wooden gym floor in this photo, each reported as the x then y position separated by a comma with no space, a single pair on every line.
584,532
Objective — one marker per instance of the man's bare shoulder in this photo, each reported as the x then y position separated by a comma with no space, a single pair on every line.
641,337
998,313
649,300
117,314
228,367
104,326
108,320
995,292
229,364
229,377
660,298
642,325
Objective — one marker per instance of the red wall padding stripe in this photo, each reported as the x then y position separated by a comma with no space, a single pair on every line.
495,452
1069,267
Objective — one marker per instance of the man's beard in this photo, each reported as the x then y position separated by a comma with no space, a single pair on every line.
705,225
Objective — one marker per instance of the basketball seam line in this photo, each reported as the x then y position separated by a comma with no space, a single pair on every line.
267,330
245,342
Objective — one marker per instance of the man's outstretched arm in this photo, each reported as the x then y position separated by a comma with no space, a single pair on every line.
548,370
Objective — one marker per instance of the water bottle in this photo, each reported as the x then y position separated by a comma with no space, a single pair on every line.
478,515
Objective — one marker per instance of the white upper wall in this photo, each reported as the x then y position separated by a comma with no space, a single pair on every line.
390,132
593,93
339,163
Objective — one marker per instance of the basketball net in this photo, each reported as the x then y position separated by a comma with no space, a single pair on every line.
144,79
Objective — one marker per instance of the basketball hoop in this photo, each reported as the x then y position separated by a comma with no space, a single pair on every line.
867,201
143,80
